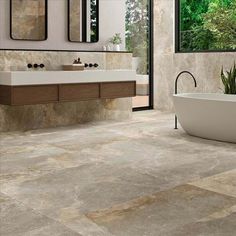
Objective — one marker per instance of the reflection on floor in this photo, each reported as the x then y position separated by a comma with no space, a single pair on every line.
140,101
130,178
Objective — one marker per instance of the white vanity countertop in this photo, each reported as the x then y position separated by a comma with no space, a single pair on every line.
17,78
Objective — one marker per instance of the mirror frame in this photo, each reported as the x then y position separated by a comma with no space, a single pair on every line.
68,19
46,24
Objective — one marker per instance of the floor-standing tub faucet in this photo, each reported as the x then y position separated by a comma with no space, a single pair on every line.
176,89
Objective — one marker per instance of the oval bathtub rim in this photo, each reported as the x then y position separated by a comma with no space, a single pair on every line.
193,96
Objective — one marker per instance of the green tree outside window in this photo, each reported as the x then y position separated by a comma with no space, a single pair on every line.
207,25
137,31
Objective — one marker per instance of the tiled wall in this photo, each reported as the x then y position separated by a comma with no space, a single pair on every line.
53,115
167,64
18,60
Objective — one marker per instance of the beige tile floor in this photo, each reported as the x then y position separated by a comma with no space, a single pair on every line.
131,178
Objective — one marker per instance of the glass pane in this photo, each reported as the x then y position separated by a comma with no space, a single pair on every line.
137,41
207,25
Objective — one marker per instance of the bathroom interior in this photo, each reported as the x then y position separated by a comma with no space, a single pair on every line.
118,117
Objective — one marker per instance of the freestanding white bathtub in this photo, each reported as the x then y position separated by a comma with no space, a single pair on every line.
210,116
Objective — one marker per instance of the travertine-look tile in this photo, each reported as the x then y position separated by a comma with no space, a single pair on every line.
167,64
118,61
168,212
18,220
223,225
29,117
120,178
224,183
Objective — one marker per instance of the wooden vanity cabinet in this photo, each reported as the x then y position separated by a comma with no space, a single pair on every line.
41,94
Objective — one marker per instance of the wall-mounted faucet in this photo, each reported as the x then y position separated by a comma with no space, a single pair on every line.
30,66
176,89
90,65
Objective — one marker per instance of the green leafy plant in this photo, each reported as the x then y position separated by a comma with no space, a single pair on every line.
229,80
116,39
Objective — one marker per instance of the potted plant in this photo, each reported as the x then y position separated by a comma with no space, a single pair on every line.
116,40
229,80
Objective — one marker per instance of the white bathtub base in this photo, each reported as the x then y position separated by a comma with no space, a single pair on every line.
209,116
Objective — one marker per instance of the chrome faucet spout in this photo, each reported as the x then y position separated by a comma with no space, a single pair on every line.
176,88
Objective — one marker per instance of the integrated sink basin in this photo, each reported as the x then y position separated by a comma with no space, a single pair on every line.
16,78
39,87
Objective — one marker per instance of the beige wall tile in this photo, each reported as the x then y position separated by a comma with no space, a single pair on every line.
205,66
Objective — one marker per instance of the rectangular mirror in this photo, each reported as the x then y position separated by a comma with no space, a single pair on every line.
28,20
83,21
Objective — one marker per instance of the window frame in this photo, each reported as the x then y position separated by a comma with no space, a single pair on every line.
150,106
177,34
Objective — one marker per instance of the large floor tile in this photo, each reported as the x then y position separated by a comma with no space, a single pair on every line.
117,178
224,183
180,211
19,220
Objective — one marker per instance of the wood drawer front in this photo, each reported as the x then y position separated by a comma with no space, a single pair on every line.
78,92
5,95
118,89
26,95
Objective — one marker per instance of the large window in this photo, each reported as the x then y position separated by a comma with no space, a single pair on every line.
205,25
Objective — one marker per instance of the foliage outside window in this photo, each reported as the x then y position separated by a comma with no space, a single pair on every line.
137,32
207,25
94,21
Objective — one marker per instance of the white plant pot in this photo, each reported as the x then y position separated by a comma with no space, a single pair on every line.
116,47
